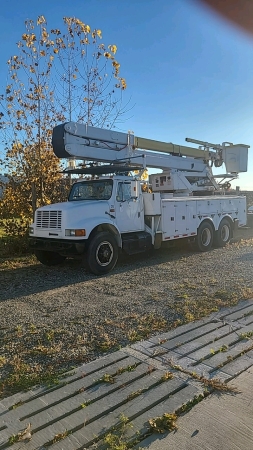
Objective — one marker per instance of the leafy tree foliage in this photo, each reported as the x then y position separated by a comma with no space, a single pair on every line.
56,76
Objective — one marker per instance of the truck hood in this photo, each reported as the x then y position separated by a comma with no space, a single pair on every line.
78,205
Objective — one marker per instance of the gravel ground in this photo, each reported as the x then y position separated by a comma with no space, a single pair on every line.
61,317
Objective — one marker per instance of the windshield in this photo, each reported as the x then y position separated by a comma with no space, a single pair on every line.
91,190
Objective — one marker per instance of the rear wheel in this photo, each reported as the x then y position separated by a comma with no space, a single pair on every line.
204,239
223,235
49,258
102,253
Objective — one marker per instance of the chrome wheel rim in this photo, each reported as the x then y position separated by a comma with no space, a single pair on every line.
206,237
225,233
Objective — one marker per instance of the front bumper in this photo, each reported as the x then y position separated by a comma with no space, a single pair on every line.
64,247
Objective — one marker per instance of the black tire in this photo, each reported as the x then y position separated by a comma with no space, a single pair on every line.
102,254
223,234
205,236
49,258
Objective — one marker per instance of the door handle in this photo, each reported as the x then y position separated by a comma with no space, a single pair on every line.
113,217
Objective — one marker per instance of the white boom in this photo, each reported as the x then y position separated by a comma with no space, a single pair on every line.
75,140
91,143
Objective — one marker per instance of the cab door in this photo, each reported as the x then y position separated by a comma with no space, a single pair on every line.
129,211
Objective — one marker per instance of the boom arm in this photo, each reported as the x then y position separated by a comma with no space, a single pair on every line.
75,140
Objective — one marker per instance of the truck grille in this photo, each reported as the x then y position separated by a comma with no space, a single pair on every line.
48,219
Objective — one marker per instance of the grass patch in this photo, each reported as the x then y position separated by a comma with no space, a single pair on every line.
23,376
202,303
30,357
16,262
13,245
145,325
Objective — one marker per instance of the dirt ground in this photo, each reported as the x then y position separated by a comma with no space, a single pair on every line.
55,318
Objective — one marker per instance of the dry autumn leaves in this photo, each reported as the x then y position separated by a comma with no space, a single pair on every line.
55,76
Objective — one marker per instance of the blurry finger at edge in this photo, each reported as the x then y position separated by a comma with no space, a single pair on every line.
240,12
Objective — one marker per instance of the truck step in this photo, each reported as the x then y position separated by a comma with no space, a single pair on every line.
136,242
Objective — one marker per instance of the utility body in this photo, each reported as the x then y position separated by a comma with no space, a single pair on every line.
115,209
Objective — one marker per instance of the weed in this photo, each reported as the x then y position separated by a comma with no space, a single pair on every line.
59,437
134,336
24,435
223,295
184,296
167,422
189,405
50,335
85,404
102,341
246,293
223,348
214,383
33,328
150,369
16,405
42,349
167,376
135,394
12,439
19,330
129,368
107,378
247,335
189,317
2,361
116,440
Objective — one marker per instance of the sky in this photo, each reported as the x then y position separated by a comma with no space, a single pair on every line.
189,73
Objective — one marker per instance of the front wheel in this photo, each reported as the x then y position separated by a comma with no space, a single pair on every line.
224,233
204,239
102,253
49,258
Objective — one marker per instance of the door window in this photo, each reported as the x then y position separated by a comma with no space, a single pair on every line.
123,192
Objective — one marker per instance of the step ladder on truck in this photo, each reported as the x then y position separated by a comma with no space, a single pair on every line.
110,208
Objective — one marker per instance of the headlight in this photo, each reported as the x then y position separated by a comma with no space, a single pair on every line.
75,232
31,230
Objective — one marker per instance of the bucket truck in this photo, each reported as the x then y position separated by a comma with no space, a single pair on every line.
111,209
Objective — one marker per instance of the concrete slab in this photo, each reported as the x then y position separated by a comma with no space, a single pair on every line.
218,422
